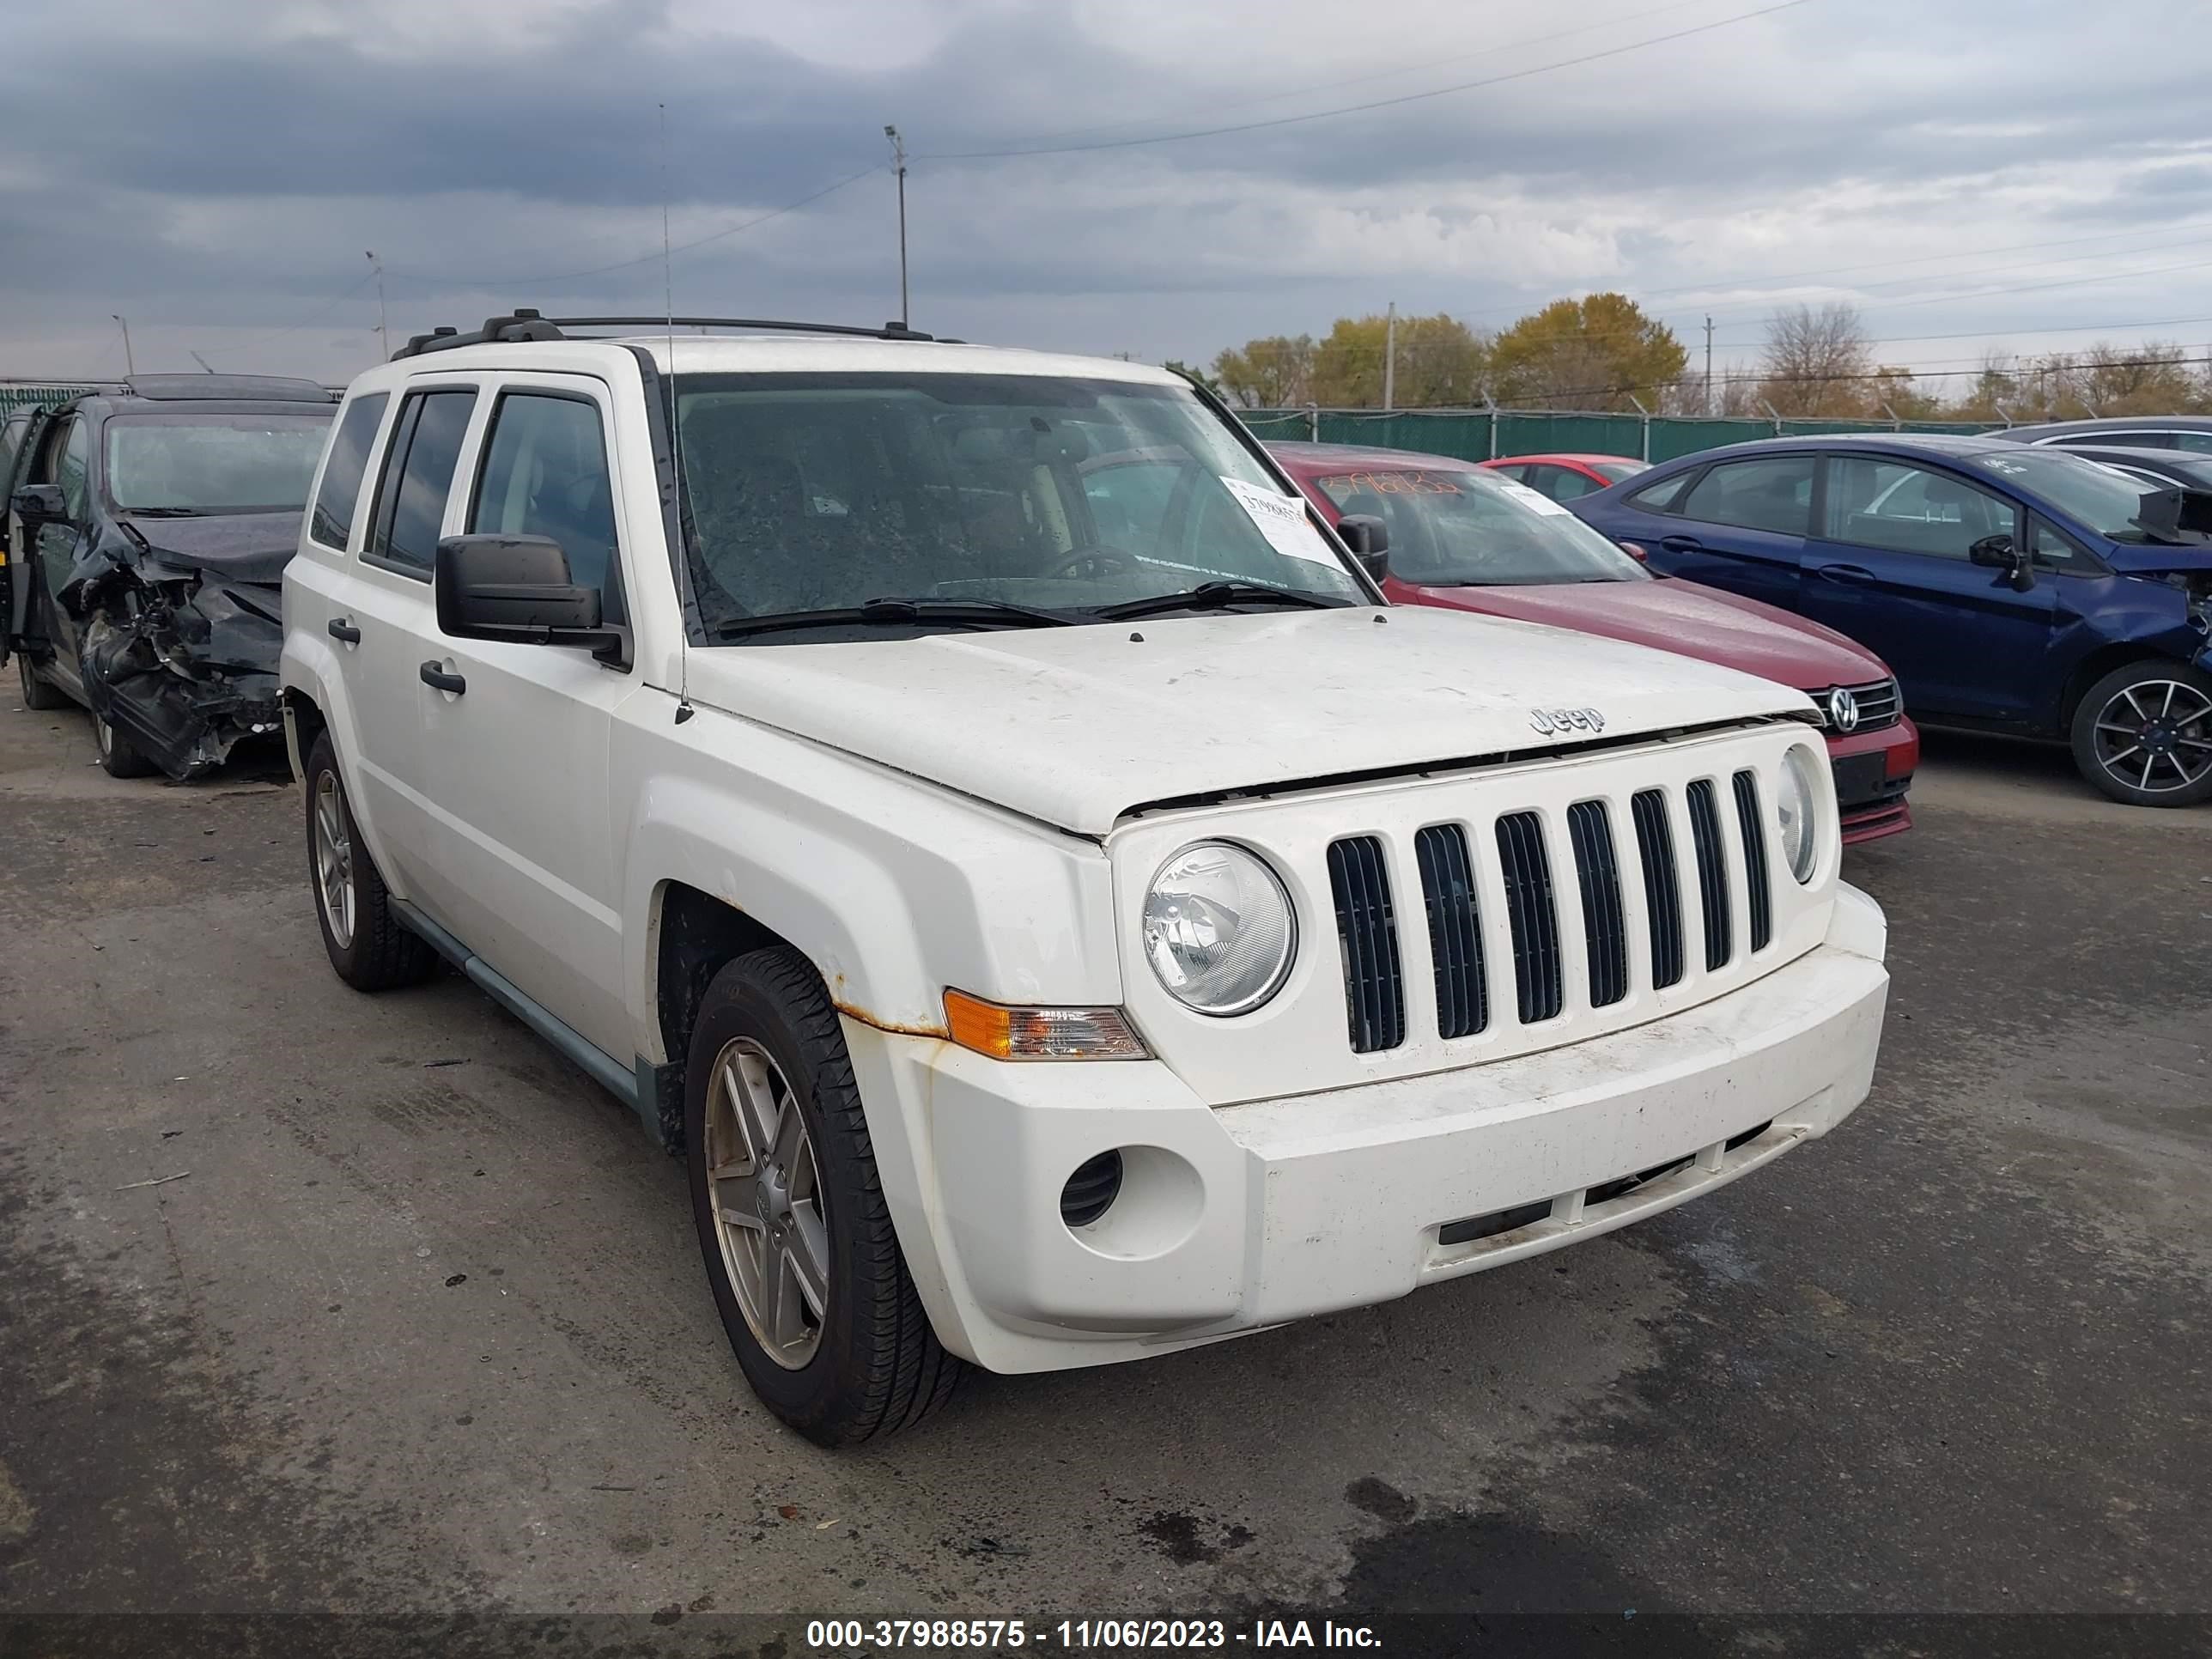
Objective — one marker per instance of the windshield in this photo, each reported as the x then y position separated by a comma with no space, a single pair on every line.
1475,529
809,492
1616,470
210,463
2091,493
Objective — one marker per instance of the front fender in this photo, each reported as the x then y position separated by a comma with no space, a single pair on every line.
892,887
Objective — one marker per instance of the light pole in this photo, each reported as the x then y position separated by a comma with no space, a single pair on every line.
130,363
1390,359
383,344
898,166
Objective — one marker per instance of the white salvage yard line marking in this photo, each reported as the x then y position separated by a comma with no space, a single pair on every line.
158,1181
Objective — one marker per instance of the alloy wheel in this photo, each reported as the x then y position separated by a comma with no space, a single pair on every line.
2156,736
766,1191
333,860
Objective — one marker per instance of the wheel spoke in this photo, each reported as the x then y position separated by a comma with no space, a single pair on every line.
2130,693
791,1143
2132,749
771,1298
755,1098
2125,731
2150,761
808,1252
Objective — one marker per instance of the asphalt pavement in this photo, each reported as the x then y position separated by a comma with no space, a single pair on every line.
317,1302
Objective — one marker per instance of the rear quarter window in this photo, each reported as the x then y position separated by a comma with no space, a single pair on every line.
351,444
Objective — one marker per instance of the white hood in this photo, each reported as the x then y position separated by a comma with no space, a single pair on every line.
1075,725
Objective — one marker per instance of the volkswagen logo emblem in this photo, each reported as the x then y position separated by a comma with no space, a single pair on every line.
1843,710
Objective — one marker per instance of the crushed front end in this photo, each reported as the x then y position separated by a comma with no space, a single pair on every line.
180,658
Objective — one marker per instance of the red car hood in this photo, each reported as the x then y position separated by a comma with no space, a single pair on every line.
1680,617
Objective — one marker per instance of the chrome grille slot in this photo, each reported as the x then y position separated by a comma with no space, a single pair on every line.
1534,915
1753,829
1713,873
1880,705
1367,935
1455,930
1605,926
1662,888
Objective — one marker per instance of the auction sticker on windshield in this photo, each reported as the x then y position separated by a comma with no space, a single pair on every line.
1282,520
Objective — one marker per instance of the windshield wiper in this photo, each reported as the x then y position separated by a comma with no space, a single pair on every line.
164,512
895,613
1215,596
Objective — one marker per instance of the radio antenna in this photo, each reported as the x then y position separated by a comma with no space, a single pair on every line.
683,560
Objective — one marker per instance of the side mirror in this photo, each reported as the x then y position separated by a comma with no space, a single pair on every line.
38,503
1997,552
1635,550
1369,538
512,587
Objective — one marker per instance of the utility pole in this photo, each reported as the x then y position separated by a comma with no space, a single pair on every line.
1390,359
898,166
1709,366
383,343
130,363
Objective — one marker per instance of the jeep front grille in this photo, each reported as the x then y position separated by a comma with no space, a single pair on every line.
1754,859
1712,872
1663,892
1459,895
1455,930
1531,908
1605,929
1367,933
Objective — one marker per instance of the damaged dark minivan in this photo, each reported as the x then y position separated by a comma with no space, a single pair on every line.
149,526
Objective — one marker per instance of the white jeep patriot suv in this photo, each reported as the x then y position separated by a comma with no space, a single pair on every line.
967,803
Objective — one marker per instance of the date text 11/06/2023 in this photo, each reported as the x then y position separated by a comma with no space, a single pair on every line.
1080,1635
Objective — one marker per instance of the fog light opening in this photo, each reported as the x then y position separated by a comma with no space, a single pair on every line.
1091,1190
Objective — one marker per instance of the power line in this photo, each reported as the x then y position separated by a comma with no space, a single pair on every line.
1358,109
644,258
1277,96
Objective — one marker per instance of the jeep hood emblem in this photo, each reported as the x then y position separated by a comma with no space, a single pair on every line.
1550,720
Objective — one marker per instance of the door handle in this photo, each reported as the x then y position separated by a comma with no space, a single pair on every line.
434,676
1850,575
342,627
1681,544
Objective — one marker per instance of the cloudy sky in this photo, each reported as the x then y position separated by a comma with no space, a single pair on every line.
1970,172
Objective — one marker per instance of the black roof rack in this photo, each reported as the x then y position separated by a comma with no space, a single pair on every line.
525,324
244,388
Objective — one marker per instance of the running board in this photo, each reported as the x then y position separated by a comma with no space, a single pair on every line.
636,1086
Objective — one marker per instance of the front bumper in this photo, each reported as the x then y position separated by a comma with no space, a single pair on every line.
1875,805
1234,1218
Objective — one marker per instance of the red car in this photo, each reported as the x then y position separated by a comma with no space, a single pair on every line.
1464,537
1565,476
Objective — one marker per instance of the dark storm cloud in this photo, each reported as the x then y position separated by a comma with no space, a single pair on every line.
229,177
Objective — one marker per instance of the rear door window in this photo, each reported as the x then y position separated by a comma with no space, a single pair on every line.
331,522
1562,484
1773,492
418,474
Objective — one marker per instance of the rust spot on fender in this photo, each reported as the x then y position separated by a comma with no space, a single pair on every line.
897,1029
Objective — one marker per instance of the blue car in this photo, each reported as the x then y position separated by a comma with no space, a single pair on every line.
2013,589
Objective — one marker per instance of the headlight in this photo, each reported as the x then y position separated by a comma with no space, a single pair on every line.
1218,928
1800,845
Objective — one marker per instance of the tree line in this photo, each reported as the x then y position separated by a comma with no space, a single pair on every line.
1602,352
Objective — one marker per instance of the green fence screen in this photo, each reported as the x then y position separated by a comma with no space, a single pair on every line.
22,395
1482,434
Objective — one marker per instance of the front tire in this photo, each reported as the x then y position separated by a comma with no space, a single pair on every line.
807,1271
119,758
37,694
2143,734
367,947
